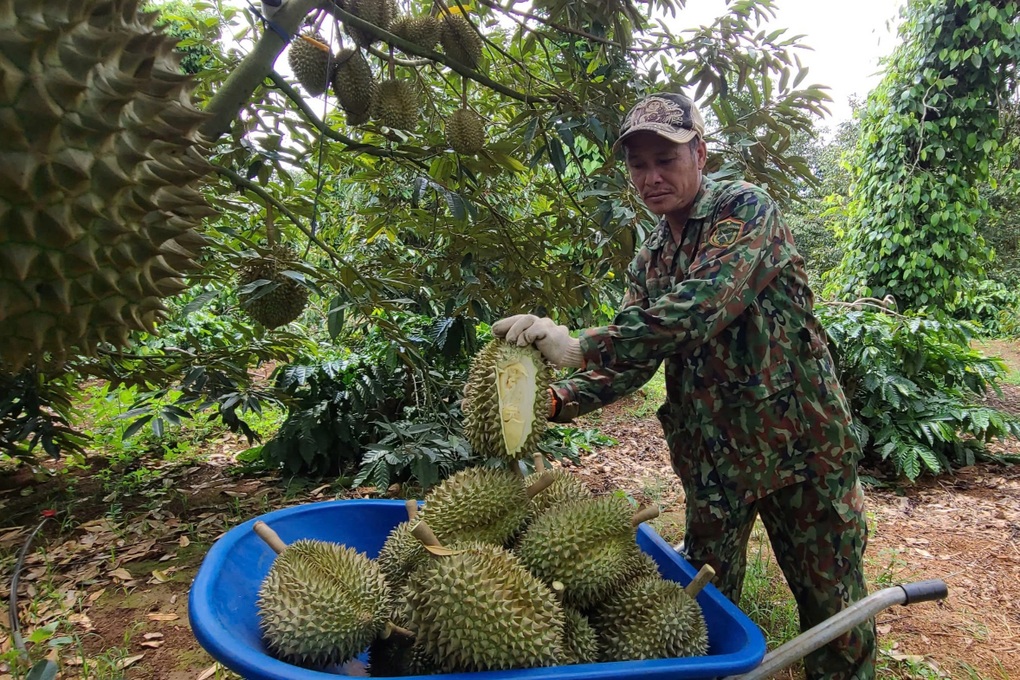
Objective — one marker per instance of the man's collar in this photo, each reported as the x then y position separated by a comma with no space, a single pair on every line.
704,200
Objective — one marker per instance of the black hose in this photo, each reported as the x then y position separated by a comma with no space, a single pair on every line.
13,610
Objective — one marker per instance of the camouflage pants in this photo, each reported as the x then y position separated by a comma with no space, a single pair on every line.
821,553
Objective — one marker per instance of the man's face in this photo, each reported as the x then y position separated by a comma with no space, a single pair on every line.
667,175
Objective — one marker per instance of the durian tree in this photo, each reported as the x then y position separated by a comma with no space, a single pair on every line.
476,179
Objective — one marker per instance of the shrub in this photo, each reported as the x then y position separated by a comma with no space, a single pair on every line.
912,383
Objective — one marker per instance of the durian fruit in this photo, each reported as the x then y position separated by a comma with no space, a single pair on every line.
402,553
460,41
396,104
422,30
321,603
285,302
99,178
354,85
580,642
650,618
475,607
377,12
505,401
589,546
481,504
312,61
564,488
465,132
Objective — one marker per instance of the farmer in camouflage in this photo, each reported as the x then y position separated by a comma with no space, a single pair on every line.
755,419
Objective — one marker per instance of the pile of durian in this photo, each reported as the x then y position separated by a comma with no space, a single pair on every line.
498,570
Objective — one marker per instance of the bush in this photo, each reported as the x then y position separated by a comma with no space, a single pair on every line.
990,304
912,382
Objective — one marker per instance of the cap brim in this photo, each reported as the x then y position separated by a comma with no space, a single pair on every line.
664,131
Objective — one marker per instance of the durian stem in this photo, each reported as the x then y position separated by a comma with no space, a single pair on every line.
392,65
539,462
423,532
270,225
393,629
271,538
541,484
700,580
412,509
644,514
463,92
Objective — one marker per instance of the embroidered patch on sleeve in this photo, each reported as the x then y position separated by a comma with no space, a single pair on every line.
726,232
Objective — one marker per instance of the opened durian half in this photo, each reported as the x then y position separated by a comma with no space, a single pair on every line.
505,401
99,197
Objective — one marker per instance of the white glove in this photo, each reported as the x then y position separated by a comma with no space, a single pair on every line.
548,337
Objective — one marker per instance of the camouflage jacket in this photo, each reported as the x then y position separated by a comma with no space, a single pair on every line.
753,402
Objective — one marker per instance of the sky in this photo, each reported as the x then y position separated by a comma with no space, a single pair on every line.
848,39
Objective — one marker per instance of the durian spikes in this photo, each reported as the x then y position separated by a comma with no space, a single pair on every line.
700,580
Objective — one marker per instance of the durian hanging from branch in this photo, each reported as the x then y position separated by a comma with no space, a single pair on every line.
267,290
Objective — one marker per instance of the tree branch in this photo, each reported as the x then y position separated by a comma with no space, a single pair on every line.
240,181
226,104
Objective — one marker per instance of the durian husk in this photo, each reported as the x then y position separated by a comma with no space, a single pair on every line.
465,132
380,13
285,302
565,488
460,41
580,641
397,105
466,607
481,504
422,30
312,63
99,180
322,603
508,427
354,85
650,618
589,546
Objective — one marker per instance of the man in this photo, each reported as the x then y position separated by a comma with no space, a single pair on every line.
755,419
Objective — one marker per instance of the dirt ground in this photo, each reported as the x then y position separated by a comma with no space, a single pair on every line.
114,573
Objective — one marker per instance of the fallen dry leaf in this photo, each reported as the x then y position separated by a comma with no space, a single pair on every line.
121,573
151,644
152,636
128,660
96,595
163,617
160,576
208,672
184,541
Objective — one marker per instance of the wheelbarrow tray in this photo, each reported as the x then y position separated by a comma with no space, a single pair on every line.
224,618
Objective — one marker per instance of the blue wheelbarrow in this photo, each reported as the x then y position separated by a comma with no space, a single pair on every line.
224,618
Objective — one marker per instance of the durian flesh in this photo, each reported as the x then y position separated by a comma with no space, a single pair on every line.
505,404
99,197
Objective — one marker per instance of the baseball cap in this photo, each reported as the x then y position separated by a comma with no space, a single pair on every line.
669,115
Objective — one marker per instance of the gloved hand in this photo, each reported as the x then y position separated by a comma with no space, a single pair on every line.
551,339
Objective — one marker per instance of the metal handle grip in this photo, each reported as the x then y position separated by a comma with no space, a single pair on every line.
925,591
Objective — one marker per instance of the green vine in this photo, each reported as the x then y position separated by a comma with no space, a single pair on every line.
928,134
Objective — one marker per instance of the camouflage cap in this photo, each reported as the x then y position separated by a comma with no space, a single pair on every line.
668,115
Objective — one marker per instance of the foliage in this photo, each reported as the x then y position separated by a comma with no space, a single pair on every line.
913,384
193,28
993,306
929,134
389,411
36,410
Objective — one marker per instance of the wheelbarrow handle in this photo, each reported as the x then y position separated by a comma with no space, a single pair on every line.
830,629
